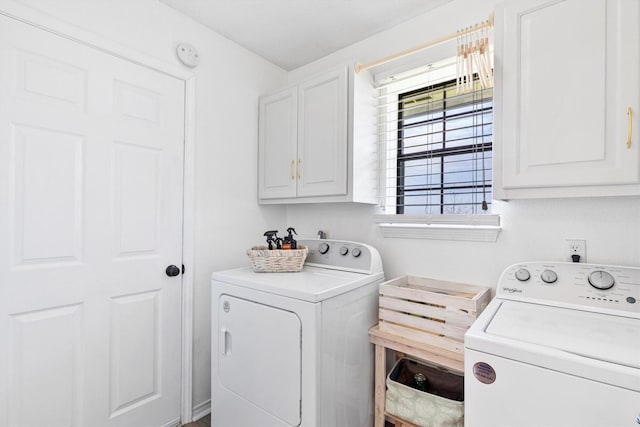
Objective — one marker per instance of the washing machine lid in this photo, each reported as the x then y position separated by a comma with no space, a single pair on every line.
602,337
313,284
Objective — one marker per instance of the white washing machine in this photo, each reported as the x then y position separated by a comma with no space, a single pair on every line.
292,349
558,346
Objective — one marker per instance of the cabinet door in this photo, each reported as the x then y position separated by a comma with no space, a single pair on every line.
569,74
322,135
277,145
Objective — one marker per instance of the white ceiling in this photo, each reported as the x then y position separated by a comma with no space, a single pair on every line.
292,33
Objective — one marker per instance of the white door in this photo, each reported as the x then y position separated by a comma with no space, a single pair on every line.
277,145
260,358
322,135
90,217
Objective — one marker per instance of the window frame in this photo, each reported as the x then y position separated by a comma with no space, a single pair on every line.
442,153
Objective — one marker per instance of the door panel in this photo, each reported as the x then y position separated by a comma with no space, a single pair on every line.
54,332
260,346
136,102
277,145
135,369
91,201
541,84
322,135
53,81
136,189
48,172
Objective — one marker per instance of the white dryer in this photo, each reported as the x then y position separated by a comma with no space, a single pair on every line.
558,346
292,349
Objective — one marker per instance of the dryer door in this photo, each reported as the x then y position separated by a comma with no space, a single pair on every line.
260,356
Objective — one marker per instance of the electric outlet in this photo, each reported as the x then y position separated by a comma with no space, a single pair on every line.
577,247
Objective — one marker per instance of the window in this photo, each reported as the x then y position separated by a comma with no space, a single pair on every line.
436,156
443,155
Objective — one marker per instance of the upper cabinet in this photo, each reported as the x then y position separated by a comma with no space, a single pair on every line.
567,98
309,150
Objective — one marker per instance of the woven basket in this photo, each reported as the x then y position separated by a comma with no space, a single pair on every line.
264,260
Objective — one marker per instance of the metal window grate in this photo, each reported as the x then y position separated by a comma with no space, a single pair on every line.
437,146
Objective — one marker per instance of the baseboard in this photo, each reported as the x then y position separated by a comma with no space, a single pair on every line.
174,423
201,410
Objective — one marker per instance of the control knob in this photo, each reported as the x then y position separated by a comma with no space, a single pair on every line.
323,248
344,250
522,274
601,280
549,276
356,252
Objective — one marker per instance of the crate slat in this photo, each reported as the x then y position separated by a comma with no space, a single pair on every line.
462,288
445,343
420,349
419,322
430,296
454,317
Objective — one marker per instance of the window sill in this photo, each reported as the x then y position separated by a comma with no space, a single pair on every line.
470,228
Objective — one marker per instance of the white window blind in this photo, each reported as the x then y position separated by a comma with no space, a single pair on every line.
436,143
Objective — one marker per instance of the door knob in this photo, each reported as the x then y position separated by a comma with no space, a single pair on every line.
172,270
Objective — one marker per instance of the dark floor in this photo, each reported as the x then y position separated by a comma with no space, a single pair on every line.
202,422
206,422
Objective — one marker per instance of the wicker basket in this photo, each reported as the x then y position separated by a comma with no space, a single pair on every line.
264,260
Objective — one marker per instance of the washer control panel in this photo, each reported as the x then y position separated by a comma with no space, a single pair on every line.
599,287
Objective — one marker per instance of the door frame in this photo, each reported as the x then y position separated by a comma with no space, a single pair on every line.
42,21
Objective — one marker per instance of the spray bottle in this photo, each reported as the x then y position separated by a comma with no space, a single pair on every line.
271,237
289,242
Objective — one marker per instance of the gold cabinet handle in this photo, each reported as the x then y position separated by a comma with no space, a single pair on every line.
630,131
291,170
298,168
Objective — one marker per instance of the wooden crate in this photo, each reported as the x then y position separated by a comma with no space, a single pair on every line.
433,312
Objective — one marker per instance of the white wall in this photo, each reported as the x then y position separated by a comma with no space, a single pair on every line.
228,219
532,229
228,83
